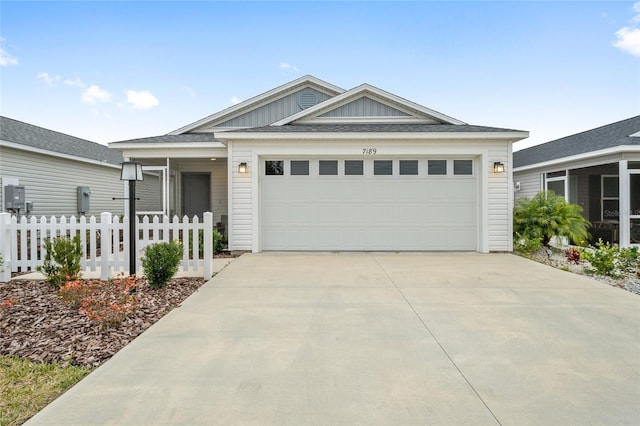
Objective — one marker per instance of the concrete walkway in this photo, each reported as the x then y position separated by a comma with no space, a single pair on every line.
361,339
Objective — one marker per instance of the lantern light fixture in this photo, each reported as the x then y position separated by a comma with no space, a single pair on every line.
498,167
242,168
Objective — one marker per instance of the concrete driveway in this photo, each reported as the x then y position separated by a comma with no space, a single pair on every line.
368,338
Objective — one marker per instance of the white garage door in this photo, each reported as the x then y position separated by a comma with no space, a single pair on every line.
381,204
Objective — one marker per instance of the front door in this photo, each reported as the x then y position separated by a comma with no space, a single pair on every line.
196,194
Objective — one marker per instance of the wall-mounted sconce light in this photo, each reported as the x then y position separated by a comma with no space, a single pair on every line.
498,167
242,168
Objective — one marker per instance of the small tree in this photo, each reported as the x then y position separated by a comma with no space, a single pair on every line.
62,261
547,215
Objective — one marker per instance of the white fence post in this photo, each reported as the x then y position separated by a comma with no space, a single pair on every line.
208,245
5,247
105,245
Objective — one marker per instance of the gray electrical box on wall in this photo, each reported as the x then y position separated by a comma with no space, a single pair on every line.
14,197
83,199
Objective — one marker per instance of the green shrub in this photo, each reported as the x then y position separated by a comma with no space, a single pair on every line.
547,215
629,258
526,244
160,262
219,241
62,261
607,259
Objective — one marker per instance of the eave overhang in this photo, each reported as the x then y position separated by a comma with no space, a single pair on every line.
621,149
512,136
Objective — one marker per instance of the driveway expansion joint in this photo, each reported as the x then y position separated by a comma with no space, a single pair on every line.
426,327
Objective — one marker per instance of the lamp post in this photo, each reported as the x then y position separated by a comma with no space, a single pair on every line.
132,172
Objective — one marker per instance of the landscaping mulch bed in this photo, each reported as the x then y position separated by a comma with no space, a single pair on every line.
556,258
40,327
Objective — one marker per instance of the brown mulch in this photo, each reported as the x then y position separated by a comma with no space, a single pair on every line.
40,327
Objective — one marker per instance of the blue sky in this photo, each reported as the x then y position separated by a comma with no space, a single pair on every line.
109,71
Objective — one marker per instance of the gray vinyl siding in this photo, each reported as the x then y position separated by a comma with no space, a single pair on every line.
365,107
51,182
529,183
272,112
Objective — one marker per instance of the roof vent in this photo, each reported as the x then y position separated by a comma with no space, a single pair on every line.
307,99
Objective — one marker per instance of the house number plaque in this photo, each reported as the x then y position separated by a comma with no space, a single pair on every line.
369,151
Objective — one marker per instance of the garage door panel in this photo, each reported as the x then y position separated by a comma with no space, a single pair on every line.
368,212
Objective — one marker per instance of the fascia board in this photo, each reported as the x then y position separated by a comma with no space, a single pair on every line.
163,145
257,101
175,153
56,154
580,157
361,91
512,136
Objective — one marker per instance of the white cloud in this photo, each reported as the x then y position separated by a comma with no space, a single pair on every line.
142,100
49,80
284,66
235,100
74,83
628,38
95,94
6,59
636,9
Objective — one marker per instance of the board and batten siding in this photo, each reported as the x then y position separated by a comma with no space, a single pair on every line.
365,107
495,226
51,182
218,194
272,112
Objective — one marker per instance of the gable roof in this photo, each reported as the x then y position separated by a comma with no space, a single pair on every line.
415,111
20,133
260,100
608,136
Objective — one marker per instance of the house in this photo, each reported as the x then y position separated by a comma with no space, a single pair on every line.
61,174
311,166
598,169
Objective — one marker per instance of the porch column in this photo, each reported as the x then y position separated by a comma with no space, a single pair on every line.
167,188
624,204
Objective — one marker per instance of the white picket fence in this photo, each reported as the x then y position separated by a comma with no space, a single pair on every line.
104,243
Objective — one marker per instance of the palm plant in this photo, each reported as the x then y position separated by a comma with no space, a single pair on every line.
547,215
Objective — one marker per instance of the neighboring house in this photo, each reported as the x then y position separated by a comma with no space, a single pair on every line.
598,169
311,166
51,166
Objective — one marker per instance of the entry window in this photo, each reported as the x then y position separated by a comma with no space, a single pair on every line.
299,167
462,167
274,168
383,167
409,167
353,167
328,167
437,167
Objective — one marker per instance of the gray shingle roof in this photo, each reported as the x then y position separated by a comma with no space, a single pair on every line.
608,136
37,137
374,128
187,137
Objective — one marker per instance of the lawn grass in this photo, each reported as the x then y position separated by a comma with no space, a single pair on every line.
27,387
